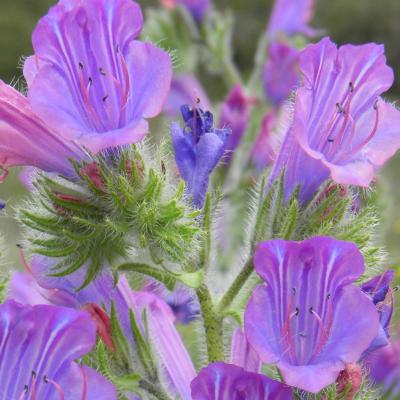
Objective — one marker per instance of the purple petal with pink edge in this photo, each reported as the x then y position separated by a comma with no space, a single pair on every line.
309,318
235,115
185,89
242,354
40,343
265,146
291,17
281,72
26,140
90,79
220,381
341,127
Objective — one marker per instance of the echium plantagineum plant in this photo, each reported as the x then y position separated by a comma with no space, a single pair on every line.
231,253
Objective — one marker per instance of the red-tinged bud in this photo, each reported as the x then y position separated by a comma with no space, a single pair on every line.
349,381
68,197
92,172
103,324
139,168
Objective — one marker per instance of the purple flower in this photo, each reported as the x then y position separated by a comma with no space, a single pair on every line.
41,288
384,369
197,8
38,346
378,289
281,74
264,149
27,140
308,317
341,128
220,381
198,148
182,301
242,354
185,89
235,114
90,79
291,17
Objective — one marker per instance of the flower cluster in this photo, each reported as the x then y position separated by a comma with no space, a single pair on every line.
234,259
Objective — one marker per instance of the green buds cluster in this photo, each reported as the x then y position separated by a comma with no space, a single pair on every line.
112,205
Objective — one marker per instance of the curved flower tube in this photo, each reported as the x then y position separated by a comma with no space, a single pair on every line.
308,317
38,346
220,381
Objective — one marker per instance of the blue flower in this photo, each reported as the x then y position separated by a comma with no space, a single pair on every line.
198,148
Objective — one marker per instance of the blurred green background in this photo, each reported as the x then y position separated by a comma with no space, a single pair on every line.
355,21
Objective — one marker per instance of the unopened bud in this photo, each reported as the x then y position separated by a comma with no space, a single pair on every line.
92,172
103,324
349,381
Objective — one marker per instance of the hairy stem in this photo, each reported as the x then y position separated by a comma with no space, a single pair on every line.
235,287
153,389
212,325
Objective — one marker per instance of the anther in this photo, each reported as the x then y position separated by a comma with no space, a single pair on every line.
198,100
340,108
330,140
90,81
311,310
80,65
294,291
104,98
351,87
297,311
33,389
117,48
102,72
376,105
328,296
24,392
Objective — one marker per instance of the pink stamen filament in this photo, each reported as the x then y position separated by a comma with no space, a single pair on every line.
127,80
323,334
24,261
56,385
33,392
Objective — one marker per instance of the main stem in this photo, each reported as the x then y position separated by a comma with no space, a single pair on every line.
212,325
235,287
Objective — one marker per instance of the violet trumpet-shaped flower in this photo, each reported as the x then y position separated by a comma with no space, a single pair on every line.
378,289
281,72
291,17
308,317
264,149
384,368
198,148
89,79
185,89
220,381
197,8
25,139
235,115
341,127
41,288
38,349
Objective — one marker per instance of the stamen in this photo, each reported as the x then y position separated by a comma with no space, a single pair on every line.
104,98
340,108
33,392
372,133
24,393
102,72
127,79
56,385
80,65
23,259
